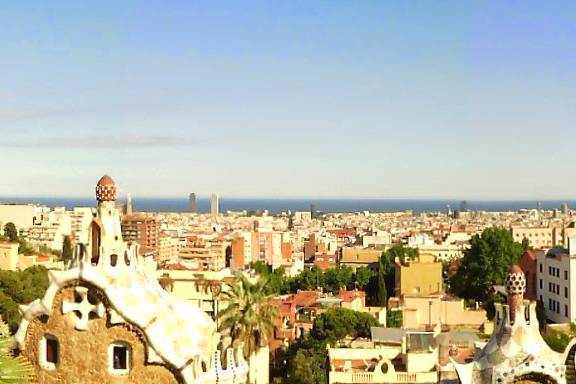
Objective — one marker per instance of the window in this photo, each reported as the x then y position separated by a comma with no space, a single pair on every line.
540,283
119,355
49,352
565,275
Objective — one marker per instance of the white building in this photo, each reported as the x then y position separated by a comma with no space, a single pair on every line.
556,284
51,229
80,219
22,215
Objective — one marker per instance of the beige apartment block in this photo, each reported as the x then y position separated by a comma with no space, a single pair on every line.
539,237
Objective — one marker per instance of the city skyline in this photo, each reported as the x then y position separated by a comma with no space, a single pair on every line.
324,99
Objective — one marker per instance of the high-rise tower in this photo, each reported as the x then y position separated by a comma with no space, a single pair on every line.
215,204
192,203
129,207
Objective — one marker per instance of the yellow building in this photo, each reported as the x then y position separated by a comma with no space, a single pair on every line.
422,276
354,257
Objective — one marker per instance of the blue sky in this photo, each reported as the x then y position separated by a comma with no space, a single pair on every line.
386,99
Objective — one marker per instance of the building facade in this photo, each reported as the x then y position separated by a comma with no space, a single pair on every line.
556,286
422,276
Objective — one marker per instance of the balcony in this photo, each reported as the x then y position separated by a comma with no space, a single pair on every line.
374,377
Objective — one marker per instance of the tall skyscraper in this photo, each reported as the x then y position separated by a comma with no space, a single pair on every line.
129,207
313,210
215,204
192,202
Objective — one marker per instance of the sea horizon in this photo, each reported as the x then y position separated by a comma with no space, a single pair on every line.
277,205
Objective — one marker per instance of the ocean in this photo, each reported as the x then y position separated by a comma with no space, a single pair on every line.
300,204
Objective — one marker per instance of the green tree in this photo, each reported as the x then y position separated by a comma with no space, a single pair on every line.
20,288
381,294
13,370
485,264
67,250
362,277
260,268
399,252
393,318
308,367
278,282
249,316
335,324
305,362
10,232
526,245
335,278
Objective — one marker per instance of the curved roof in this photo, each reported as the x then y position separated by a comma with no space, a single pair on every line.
177,332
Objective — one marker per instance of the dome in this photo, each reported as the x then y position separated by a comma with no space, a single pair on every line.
106,189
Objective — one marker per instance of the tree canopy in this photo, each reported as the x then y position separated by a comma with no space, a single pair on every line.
20,288
10,232
337,323
485,264
249,317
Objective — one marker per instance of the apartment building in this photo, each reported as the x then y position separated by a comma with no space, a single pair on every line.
556,284
204,253
168,248
143,230
271,247
50,229
539,237
80,219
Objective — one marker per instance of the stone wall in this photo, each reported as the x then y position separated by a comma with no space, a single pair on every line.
83,355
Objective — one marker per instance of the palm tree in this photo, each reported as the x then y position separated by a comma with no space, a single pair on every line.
13,370
249,317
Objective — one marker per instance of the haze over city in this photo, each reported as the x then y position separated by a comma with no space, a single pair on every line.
454,99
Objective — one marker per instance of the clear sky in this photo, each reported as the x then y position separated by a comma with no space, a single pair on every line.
387,99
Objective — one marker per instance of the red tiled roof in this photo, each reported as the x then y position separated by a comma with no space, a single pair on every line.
348,296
